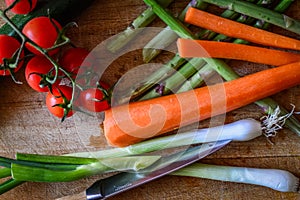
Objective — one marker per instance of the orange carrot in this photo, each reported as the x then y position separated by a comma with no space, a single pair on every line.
238,30
128,124
188,48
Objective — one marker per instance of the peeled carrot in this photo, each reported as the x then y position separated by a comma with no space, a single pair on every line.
238,30
128,124
188,48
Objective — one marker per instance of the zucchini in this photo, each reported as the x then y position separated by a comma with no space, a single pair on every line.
61,10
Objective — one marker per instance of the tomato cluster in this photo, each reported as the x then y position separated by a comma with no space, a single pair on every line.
51,68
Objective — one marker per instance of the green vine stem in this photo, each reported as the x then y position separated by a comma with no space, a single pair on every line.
57,67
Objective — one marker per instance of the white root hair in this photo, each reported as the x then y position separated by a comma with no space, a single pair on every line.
274,122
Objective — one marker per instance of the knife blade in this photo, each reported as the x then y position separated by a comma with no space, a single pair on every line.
123,181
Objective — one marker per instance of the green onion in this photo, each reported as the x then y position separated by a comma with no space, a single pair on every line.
8,185
4,172
39,174
241,130
276,179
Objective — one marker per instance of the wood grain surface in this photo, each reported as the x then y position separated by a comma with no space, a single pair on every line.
28,127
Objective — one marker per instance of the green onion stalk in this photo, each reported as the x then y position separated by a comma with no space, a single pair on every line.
143,20
46,168
221,67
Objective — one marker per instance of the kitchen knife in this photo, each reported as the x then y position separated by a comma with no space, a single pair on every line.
123,181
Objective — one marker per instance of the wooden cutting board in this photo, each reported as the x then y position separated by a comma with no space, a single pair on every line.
27,126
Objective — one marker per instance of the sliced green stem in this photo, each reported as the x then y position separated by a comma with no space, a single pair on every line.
8,185
261,13
54,159
5,172
38,174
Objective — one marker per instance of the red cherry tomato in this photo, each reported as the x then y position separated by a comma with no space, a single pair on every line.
43,32
56,98
94,100
8,47
73,58
36,66
22,7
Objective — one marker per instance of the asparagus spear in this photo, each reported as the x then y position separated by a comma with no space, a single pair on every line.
259,12
132,30
224,70
167,36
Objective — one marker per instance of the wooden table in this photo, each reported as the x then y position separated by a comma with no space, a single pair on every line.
28,127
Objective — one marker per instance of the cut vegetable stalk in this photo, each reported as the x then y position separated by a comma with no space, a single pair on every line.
8,185
238,30
200,48
129,124
131,31
258,12
275,179
38,174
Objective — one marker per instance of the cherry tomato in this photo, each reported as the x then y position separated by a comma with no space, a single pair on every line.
8,47
36,66
43,32
56,98
73,58
22,7
94,100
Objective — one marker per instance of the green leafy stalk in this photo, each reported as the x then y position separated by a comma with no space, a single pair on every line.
259,12
132,30
4,172
167,36
8,185
54,159
39,174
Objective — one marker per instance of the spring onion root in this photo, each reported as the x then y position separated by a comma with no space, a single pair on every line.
276,179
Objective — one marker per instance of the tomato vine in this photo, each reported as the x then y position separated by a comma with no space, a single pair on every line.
44,40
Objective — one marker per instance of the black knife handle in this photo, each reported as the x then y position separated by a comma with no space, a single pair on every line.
94,192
